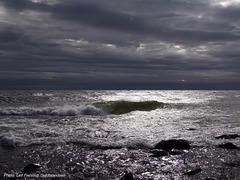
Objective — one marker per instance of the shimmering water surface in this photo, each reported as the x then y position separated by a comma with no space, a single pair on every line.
66,133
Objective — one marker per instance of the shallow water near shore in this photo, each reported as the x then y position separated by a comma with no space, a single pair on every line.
71,138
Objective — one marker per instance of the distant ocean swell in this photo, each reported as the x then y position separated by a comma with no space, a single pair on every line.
100,108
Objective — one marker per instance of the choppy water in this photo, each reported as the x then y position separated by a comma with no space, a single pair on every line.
30,118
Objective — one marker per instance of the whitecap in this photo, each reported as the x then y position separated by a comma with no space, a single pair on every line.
66,110
8,140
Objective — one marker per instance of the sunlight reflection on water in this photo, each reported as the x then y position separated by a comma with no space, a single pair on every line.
107,144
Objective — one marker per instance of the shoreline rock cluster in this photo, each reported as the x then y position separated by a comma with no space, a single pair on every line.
228,145
163,148
172,147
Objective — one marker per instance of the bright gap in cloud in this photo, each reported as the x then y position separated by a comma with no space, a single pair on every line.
226,3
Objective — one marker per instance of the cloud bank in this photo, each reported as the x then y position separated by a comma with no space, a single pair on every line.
136,44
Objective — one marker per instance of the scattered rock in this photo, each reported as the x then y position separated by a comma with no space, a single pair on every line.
172,144
191,129
228,146
228,136
193,172
127,176
158,153
208,178
31,168
233,164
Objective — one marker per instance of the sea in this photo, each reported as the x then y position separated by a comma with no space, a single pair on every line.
105,134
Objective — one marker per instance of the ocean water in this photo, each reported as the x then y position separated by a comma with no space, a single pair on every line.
69,133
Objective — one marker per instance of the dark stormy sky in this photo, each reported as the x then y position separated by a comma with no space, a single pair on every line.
126,44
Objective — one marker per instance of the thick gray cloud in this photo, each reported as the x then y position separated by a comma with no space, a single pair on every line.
119,43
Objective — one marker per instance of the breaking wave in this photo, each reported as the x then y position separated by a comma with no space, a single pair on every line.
53,111
99,108
8,140
122,107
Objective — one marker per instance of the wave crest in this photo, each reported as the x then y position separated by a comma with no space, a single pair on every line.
53,111
8,140
99,108
122,107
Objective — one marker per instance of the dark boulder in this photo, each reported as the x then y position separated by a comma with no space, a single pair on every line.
228,146
193,172
31,168
127,176
228,136
168,145
191,129
158,153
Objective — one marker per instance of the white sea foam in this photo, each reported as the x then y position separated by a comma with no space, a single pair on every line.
38,124
41,94
67,110
8,140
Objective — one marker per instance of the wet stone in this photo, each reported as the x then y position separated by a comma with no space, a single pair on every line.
193,172
228,136
31,168
168,145
228,146
127,176
191,129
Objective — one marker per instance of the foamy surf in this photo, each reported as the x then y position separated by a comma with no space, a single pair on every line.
99,108
70,110
54,131
8,140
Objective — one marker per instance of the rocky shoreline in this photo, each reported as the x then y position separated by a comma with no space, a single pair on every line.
169,159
